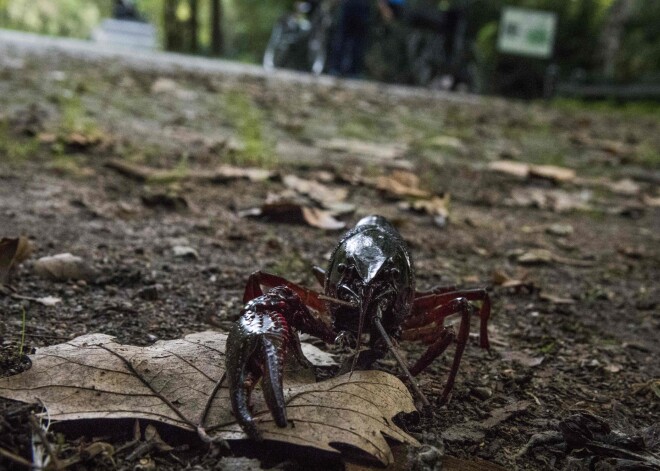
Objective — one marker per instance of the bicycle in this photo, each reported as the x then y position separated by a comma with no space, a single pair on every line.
300,39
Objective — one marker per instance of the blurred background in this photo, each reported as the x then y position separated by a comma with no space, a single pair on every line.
583,48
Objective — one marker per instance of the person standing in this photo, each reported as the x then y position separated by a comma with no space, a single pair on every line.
349,43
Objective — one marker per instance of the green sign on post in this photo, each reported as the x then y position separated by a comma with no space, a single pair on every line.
527,32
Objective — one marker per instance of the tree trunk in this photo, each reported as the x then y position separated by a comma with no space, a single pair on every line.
193,26
612,34
217,40
171,26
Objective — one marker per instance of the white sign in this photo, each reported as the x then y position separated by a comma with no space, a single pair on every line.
527,32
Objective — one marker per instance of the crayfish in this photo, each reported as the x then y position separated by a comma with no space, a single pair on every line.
369,287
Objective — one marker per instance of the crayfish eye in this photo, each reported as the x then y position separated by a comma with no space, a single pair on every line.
341,268
395,273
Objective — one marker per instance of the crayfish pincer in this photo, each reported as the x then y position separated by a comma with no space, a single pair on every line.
369,290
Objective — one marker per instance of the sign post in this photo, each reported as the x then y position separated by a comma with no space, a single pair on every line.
527,32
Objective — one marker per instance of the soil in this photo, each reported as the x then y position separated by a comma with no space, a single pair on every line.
579,332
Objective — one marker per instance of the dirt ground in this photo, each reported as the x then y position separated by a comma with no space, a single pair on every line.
571,263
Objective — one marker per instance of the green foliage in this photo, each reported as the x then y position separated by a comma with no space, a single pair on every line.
639,57
576,42
249,25
15,149
248,120
62,17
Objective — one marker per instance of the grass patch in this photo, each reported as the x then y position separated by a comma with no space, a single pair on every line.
248,120
647,156
630,108
179,172
14,149
363,126
74,119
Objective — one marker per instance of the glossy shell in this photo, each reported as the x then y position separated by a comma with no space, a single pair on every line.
370,252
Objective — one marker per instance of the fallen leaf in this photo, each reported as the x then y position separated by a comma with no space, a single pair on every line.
374,150
163,85
536,257
436,207
93,377
543,256
555,299
13,251
316,191
610,146
510,167
625,186
295,213
522,358
226,172
321,219
184,251
505,281
48,301
398,183
552,172
62,267
559,229
651,201
553,199
525,170
222,174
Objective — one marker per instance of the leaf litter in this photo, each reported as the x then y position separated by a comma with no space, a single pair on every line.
13,251
175,382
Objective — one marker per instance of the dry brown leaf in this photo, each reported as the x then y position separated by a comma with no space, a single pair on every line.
399,183
317,191
552,172
322,219
375,150
93,377
543,256
12,252
553,199
295,213
524,170
62,267
436,207
222,174
226,172
610,146
552,298
510,167
522,358
651,201
500,278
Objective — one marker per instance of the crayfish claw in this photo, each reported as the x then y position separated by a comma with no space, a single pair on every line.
272,383
241,378
256,346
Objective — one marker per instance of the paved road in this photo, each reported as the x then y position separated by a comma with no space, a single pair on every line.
18,43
